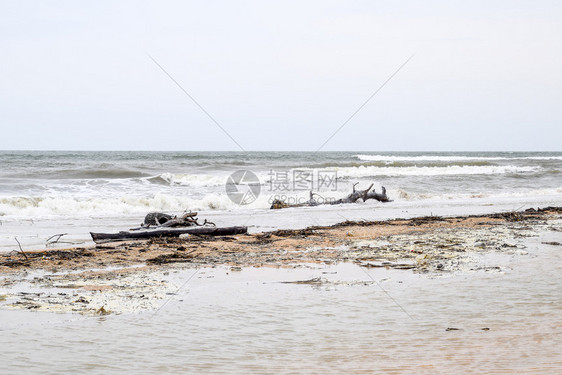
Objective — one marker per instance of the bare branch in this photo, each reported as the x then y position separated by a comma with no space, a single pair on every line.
21,250
58,237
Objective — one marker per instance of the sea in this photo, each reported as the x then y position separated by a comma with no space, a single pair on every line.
47,193
254,320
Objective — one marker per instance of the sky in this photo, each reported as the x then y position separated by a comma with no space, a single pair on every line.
281,75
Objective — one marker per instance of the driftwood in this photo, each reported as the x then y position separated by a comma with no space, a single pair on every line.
54,238
382,197
157,224
364,195
172,232
354,196
156,218
159,219
21,250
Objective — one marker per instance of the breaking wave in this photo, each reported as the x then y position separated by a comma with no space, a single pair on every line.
45,207
347,172
80,174
371,171
443,158
195,180
14,208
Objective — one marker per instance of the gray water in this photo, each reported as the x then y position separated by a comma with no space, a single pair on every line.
249,322
52,184
48,193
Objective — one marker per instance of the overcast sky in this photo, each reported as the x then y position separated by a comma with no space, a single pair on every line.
281,75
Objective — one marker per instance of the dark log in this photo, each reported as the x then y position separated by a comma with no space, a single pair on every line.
353,197
162,220
382,197
156,218
364,195
180,222
207,231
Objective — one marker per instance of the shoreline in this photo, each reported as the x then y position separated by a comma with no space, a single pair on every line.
33,233
113,277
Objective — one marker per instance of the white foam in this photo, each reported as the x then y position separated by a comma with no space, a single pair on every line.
22,207
372,171
52,208
199,180
117,206
136,200
392,158
404,195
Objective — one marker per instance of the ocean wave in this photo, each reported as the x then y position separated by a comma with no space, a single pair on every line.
396,163
46,207
53,207
406,195
80,174
543,158
195,180
443,158
371,171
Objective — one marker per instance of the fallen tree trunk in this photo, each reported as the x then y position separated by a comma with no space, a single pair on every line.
382,197
354,196
159,219
128,235
351,198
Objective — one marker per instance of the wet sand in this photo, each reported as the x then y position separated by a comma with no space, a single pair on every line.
138,275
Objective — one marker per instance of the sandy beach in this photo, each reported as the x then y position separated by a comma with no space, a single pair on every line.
466,294
120,276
